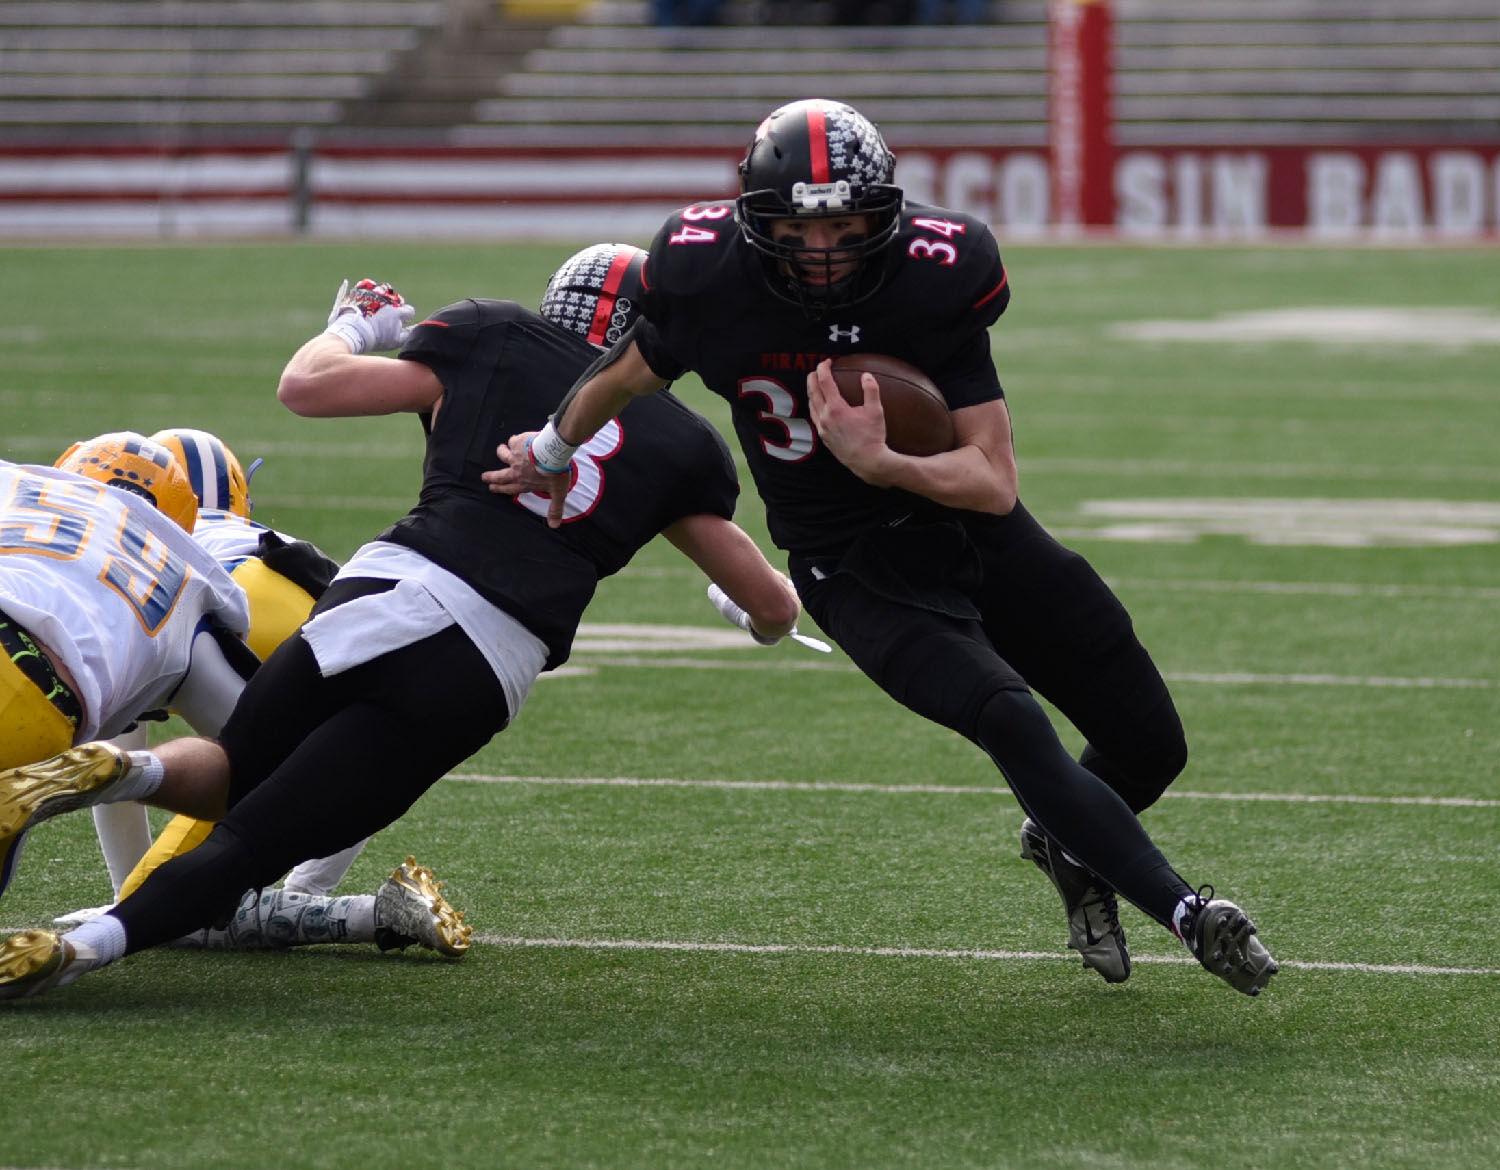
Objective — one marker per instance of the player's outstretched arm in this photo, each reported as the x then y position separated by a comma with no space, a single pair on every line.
334,376
733,561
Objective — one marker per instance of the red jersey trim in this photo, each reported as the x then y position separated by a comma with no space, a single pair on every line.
992,294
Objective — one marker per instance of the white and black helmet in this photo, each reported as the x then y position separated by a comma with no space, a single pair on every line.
596,293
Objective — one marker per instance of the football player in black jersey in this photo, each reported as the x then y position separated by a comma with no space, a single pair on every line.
927,571
428,641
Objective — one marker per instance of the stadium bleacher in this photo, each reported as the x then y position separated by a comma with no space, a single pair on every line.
570,73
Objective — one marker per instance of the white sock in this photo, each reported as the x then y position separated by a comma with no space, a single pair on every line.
124,836
98,942
1180,916
143,779
322,875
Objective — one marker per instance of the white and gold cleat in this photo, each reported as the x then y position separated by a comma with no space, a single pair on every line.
32,793
410,908
35,961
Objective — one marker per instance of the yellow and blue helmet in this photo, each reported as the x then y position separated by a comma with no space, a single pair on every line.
217,478
136,464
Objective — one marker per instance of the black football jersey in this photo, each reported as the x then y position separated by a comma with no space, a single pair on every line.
504,370
707,309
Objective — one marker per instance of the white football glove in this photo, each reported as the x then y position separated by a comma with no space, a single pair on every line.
735,616
370,316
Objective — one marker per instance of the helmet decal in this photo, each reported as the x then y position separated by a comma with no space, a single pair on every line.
138,465
596,293
819,159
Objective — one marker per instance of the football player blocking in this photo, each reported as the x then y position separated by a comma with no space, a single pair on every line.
282,578
927,570
131,617
429,640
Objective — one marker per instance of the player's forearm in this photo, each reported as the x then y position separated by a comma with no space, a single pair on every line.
604,390
962,478
730,559
315,374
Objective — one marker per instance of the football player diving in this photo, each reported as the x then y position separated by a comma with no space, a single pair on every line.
431,637
928,571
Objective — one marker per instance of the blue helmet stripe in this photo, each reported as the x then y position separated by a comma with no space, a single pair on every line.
221,476
194,469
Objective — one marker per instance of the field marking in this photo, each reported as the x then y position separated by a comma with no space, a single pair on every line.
1326,523
1348,589
1452,328
952,790
689,946
785,662
1375,473
730,948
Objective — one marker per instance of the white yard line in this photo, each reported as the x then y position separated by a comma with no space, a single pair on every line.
787,662
677,945
967,954
954,790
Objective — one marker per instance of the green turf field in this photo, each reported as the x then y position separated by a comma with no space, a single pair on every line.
737,909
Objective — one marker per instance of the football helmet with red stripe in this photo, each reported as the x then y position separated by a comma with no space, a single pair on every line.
819,160
597,292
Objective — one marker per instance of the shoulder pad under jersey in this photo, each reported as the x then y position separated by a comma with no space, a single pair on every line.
692,245
952,262
448,335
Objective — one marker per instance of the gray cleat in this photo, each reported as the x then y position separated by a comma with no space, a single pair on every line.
410,908
1094,929
1222,938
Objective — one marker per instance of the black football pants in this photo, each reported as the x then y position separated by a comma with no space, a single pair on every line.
1056,622
948,670
320,763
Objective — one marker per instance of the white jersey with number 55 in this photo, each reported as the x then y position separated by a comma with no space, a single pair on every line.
113,587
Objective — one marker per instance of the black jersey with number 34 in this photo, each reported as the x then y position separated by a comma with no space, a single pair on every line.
504,370
707,309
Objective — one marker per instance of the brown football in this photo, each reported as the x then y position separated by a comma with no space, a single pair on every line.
917,421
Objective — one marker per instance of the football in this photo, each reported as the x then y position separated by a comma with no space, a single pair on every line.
917,421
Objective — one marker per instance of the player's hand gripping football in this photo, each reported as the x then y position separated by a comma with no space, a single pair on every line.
735,615
521,475
854,434
370,316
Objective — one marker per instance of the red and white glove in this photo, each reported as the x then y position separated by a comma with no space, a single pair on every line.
370,316
735,615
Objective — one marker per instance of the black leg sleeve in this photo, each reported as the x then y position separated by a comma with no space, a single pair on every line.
1075,807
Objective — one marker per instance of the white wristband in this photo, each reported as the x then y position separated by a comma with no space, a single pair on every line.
550,451
353,330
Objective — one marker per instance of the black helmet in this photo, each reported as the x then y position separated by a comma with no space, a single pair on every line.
819,159
597,292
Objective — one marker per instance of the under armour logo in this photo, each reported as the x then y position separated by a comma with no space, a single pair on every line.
843,333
